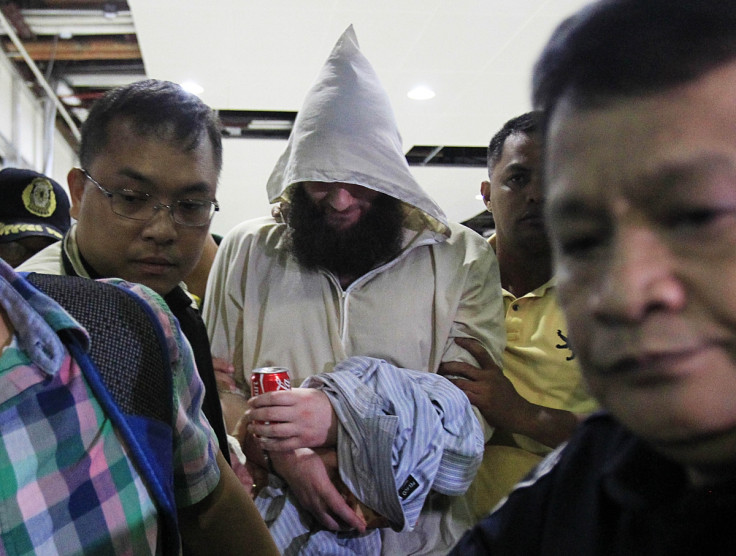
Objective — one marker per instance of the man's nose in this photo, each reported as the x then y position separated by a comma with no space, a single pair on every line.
534,190
340,198
641,276
161,228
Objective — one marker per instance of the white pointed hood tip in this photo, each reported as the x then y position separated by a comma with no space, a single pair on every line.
346,132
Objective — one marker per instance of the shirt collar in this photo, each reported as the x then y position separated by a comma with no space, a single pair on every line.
537,292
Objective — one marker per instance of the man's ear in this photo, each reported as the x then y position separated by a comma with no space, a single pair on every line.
76,181
485,191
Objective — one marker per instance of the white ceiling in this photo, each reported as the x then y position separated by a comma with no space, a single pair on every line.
476,54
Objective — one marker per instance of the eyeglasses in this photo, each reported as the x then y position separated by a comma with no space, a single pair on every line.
138,205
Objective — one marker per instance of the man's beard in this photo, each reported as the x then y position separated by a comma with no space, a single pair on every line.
373,240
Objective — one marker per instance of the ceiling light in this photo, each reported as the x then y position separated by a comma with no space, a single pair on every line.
66,94
192,87
71,100
81,113
270,124
421,92
63,88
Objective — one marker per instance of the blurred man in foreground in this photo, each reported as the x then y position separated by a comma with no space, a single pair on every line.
640,177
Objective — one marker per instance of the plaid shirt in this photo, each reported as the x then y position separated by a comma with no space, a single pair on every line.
67,484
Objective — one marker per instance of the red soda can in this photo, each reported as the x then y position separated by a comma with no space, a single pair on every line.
269,379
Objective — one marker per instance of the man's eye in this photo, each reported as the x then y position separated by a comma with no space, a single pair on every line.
692,219
517,180
193,205
132,197
579,246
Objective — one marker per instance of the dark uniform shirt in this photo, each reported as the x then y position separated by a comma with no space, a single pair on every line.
607,492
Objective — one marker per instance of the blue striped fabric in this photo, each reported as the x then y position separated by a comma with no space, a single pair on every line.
402,434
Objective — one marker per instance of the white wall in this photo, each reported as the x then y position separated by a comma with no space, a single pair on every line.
22,129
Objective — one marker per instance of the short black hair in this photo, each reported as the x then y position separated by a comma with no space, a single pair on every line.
526,123
615,48
154,107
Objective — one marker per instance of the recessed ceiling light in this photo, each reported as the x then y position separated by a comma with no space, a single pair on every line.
421,92
192,87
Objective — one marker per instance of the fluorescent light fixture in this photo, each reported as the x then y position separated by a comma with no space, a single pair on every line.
71,100
192,87
80,113
66,94
479,197
421,92
63,89
270,124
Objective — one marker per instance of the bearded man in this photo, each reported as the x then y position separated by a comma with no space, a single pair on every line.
360,263
320,236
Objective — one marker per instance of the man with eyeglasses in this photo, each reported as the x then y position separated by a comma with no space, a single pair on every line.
143,199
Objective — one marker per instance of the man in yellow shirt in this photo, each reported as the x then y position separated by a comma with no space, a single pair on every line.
539,398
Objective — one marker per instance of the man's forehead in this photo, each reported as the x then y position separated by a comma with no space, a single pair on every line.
645,146
134,129
584,146
332,184
519,149
325,187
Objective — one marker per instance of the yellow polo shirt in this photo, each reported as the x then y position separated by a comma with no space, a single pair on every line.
543,369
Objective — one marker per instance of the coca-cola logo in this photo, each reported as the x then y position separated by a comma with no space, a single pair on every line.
283,383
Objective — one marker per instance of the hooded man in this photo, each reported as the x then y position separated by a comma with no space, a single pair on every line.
364,263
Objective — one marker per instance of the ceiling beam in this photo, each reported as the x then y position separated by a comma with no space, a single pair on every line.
17,44
77,22
96,49
86,4
14,16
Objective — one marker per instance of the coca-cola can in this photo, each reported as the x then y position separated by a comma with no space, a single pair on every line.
269,379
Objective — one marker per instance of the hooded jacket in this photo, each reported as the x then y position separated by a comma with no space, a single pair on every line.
263,309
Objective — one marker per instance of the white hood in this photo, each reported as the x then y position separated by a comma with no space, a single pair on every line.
346,132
